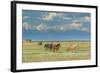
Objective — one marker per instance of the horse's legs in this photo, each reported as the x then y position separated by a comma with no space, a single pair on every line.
74,50
57,49
68,49
54,50
50,49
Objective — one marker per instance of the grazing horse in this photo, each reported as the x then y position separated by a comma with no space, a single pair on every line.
48,46
72,47
55,47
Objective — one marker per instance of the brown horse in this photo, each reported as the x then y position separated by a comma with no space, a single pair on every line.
72,47
55,47
48,47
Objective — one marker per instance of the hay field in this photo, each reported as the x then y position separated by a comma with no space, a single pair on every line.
32,52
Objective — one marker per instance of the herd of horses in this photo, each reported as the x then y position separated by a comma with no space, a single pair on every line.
54,47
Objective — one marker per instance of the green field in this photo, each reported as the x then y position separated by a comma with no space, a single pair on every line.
32,52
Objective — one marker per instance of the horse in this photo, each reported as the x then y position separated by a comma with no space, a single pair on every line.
55,47
72,47
48,46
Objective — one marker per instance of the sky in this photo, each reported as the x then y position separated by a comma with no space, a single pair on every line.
58,26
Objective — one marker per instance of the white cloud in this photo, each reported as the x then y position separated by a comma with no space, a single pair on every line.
66,18
73,26
25,17
76,25
41,27
61,28
26,26
82,19
64,27
85,29
67,27
51,15
87,18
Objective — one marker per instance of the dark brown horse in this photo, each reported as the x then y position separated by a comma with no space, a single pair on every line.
48,46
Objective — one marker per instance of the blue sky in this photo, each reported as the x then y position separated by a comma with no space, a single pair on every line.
48,26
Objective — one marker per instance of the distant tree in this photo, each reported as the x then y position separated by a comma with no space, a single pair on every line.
40,43
28,40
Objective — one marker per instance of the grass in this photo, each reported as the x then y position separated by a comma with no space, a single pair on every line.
32,52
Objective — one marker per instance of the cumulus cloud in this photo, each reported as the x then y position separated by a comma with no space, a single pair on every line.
68,27
85,29
41,27
64,27
76,25
82,19
26,26
87,18
72,26
51,15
